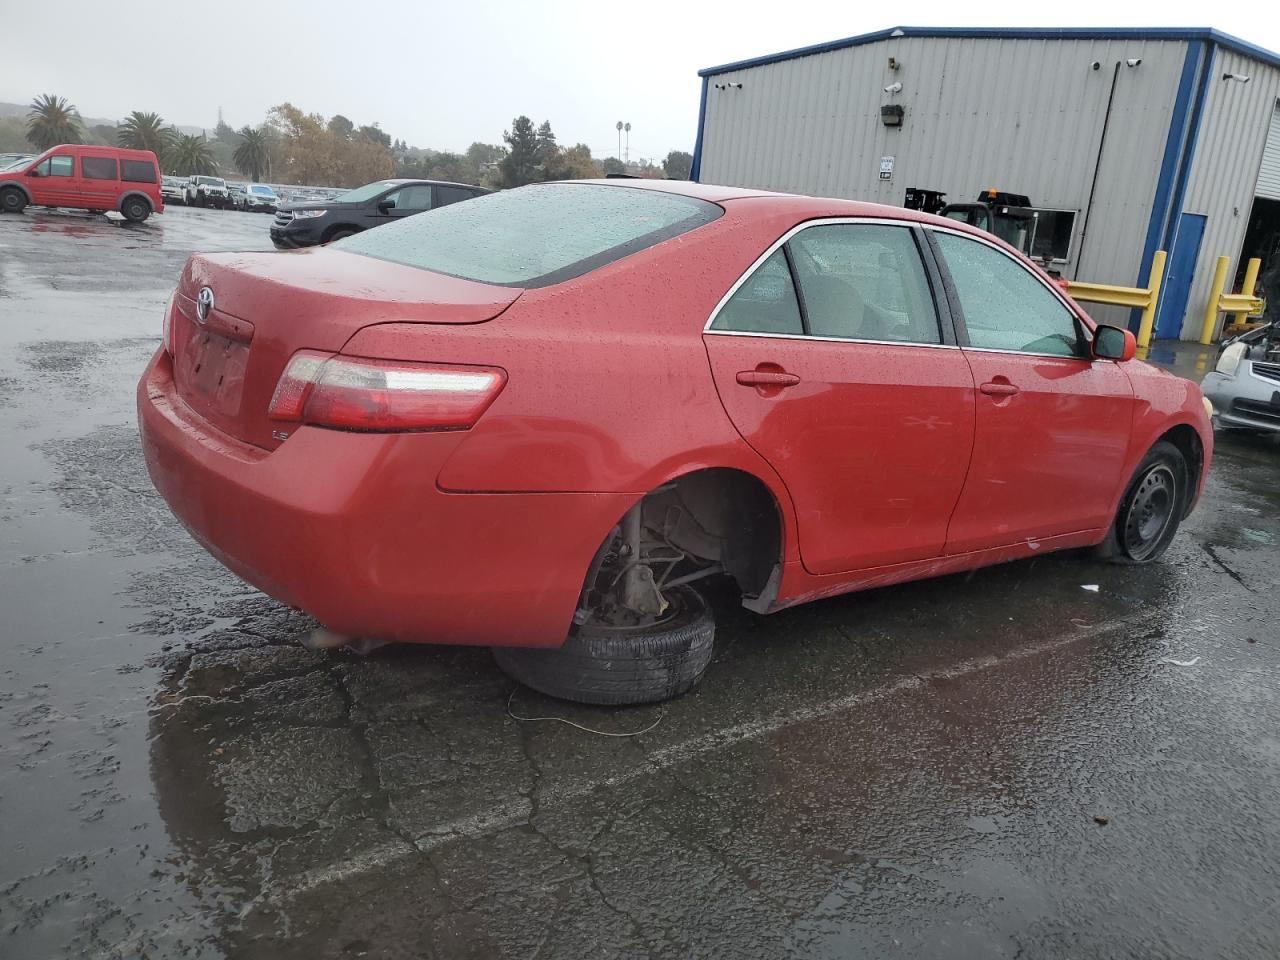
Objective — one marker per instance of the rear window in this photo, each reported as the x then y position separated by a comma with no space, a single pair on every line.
98,168
138,171
536,235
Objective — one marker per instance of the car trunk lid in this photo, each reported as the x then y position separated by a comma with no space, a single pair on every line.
267,306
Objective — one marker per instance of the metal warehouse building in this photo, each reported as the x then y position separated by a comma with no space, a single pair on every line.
1142,139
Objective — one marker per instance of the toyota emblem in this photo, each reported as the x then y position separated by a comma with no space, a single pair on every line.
204,303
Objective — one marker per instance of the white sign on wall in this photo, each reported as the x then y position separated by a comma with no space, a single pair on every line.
886,168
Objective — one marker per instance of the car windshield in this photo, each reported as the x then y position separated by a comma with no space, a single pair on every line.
367,192
265,191
536,235
213,181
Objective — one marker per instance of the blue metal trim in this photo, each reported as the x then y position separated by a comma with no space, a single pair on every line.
1168,168
1203,34
695,168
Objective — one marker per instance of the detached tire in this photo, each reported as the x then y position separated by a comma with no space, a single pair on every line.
613,666
12,200
1151,508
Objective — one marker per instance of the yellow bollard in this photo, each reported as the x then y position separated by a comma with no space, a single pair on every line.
1250,283
1211,309
1154,279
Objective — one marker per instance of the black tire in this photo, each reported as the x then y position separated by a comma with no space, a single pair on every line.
1151,508
12,200
135,209
613,666
340,234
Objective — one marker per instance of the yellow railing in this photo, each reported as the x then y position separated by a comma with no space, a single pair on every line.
1141,298
1240,304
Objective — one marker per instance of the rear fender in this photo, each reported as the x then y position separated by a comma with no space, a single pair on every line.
135,193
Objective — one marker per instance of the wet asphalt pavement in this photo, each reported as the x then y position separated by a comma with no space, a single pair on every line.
1001,764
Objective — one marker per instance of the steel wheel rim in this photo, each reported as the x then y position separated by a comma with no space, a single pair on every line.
1151,509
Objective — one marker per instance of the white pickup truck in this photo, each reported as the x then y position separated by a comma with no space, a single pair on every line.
202,191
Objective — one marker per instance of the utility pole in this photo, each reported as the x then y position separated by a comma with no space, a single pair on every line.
627,158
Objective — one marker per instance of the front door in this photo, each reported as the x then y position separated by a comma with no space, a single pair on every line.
407,201
55,183
1175,292
1052,424
831,362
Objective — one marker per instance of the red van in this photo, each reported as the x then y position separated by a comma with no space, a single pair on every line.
85,177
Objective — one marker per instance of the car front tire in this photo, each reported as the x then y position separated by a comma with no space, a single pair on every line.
12,200
1151,508
614,666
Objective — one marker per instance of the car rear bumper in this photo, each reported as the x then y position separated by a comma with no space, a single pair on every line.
352,529
1244,400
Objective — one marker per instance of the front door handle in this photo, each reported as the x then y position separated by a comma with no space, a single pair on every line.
998,389
767,378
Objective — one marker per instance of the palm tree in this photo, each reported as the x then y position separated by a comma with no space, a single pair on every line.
191,156
52,121
252,156
146,131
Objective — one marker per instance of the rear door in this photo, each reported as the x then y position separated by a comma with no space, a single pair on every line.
834,362
1052,423
99,181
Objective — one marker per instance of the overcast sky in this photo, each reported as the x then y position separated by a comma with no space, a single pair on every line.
444,75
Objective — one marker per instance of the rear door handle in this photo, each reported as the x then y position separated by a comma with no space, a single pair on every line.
767,378
998,389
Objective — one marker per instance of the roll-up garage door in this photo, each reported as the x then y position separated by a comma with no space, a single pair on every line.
1269,175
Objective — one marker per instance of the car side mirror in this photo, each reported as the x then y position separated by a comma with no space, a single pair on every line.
1113,343
33,172
386,205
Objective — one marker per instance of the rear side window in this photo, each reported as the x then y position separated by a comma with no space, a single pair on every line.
138,171
59,166
98,168
447,195
536,235
1005,306
765,303
864,282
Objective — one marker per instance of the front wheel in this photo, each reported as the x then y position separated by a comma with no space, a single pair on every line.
12,200
340,235
617,665
1151,508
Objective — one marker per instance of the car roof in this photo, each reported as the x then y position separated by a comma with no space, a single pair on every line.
400,181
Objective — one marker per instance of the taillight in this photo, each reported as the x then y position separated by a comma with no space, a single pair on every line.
166,328
354,393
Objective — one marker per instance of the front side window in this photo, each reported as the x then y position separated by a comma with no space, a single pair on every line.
864,281
1005,305
416,197
138,171
98,168
57,166
765,303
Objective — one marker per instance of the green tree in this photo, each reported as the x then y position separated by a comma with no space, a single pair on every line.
547,147
373,133
520,165
575,163
253,153
146,131
190,156
612,165
224,132
340,126
678,165
51,121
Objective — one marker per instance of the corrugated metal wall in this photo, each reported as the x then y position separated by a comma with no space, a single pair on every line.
1224,174
1022,115
1269,174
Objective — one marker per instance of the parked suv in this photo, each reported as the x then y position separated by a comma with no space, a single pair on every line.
319,221
82,177
258,196
173,189
202,191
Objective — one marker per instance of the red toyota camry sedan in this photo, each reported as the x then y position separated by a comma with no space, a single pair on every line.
543,419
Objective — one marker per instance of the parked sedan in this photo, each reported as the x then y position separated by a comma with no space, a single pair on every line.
1244,386
542,419
308,223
